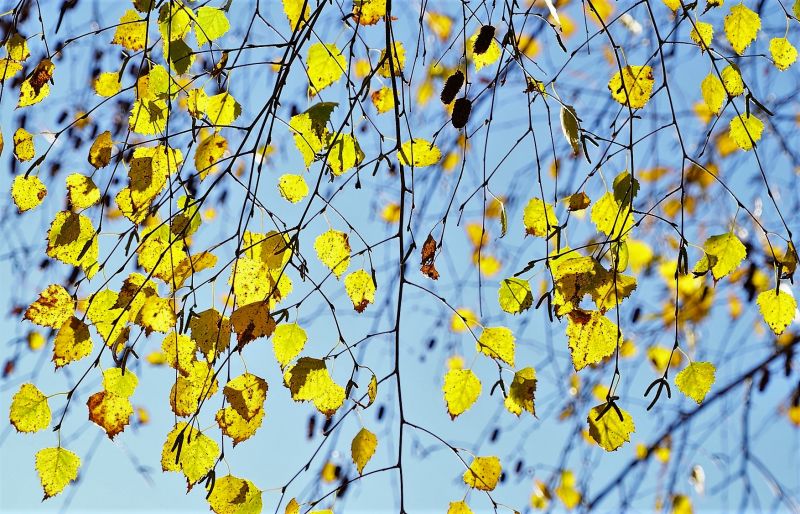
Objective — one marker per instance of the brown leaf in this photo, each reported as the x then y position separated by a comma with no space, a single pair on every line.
579,201
428,256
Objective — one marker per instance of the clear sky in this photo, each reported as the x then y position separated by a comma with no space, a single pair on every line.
125,474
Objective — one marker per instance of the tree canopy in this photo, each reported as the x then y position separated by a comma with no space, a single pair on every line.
473,256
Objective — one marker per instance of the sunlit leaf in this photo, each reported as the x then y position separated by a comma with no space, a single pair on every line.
741,27
29,411
778,308
633,87
483,473
362,448
610,432
461,389
57,467
695,380
27,192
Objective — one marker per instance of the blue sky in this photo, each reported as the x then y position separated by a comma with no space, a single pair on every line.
125,474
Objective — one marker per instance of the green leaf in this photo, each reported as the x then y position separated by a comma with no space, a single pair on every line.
210,24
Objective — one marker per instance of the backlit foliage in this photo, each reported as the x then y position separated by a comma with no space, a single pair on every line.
361,232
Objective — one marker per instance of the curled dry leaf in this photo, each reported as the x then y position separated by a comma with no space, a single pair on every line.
428,266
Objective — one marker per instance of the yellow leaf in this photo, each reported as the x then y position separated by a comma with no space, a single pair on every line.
27,192
309,380
148,117
179,351
396,62
108,318
210,24
702,34
463,319
209,152
681,505
36,340
53,307
107,84
287,342
296,13
246,394
237,427
36,87
592,337
383,99
110,412
24,149
330,472
695,380
222,109
187,392
741,27
362,448
156,84
82,191
292,507
635,86
157,314
461,389
252,321
419,153
100,152
732,80
150,168
325,64
566,490
134,292
521,392
30,411
344,153
746,131
121,383
458,508
72,342
713,92
540,498
292,187
372,390
233,495
196,102
778,309
188,450
369,12
483,473
57,467
539,218
131,32
333,250
310,130
723,254
440,24
8,69
609,431
610,288
497,343
612,218
784,54
174,20
212,333
17,48
360,288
